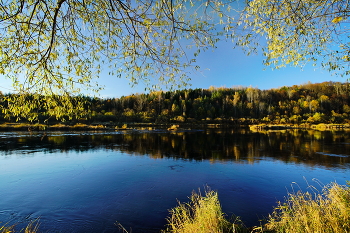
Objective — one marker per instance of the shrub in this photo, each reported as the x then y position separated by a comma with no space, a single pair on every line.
179,119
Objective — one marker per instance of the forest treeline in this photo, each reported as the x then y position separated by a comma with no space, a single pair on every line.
326,102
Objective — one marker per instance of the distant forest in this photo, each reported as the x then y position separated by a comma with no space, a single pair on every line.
326,102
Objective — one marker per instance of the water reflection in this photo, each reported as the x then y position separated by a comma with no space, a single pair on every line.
84,182
313,148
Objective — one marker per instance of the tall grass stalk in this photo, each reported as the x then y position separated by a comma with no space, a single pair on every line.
201,215
6,229
326,211
32,227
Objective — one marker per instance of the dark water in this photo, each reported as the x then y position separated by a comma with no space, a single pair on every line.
85,182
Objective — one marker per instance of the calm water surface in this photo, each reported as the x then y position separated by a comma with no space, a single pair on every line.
85,182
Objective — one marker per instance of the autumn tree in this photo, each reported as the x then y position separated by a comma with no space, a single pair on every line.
57,48
297,32
236,99
53,49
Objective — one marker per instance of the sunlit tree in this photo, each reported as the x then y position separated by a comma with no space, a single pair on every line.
298,31
54,49
57,48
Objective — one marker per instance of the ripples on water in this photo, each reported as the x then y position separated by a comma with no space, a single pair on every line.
86,181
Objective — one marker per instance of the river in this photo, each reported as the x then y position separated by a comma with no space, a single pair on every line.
88,181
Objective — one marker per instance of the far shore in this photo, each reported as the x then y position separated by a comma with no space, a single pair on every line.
321,126
112,126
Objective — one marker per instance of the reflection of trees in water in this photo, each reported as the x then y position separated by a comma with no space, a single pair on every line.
298,146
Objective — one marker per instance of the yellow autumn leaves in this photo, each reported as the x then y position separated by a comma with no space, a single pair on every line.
337,19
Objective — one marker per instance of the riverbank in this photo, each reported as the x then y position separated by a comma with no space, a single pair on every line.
154,126
103,127
321,126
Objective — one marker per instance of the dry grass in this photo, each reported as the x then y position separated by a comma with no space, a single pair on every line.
32,227
325,211
7,229
200,215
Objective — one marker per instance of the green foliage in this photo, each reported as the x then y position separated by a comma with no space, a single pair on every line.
179,119
57,48
297,32
326,102
52,50
319,117
33,106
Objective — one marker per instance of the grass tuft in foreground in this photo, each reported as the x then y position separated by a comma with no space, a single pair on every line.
6,229
201,215
327,211
32,227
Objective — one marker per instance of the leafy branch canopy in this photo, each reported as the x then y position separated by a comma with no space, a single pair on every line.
299,31
52,50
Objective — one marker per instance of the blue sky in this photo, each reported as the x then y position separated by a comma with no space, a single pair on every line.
229,67
223,66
